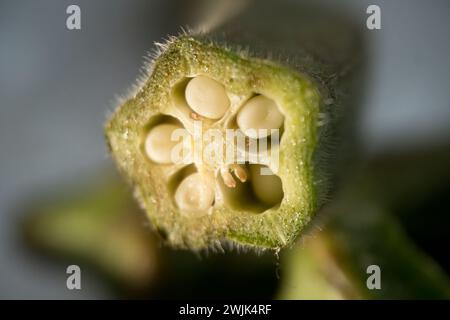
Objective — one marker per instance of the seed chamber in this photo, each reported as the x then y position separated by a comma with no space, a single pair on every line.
248,185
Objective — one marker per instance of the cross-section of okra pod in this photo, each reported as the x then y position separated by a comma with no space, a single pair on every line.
234,132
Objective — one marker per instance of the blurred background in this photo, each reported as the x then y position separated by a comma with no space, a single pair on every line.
56,89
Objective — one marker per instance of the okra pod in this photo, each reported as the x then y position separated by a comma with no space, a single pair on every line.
276,81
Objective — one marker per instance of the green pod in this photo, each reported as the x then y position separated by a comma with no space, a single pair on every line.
299,60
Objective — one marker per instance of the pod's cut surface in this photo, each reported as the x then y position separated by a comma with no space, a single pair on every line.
279,113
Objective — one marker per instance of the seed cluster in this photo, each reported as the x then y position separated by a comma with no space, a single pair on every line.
208,100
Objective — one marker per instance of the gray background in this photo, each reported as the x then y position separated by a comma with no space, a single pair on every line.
57,86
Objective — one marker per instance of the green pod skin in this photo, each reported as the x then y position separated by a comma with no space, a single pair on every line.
301,59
